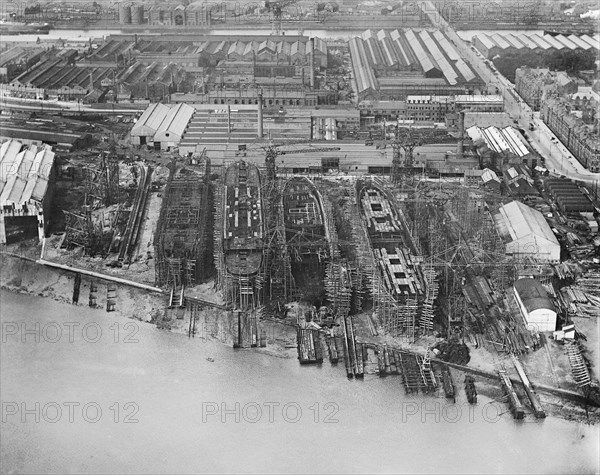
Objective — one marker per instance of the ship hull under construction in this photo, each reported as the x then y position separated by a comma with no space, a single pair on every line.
397,265
306,233
243,220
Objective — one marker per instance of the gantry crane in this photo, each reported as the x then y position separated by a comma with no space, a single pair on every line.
276,10
407,144
272,151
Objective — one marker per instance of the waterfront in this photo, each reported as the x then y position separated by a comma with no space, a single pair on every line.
165,381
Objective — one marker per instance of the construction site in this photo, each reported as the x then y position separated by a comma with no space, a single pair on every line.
397,274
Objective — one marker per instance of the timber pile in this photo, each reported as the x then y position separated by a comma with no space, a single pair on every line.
577,302
579,369
453,352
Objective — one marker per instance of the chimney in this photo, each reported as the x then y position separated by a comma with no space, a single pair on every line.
311,58
91,81
260,115
461,134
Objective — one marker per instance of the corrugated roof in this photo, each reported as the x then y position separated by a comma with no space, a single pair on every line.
552,42
403,56
541,42
500,41
485,41
448,71
527,41
521,221
579,42
423,58
565,41
512,39
446,46
500,140
150,120
176,121
24,174
533,295
589,40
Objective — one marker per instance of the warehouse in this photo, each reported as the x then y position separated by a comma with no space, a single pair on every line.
536,306
389,65
162,126
26,184
526,233
568,196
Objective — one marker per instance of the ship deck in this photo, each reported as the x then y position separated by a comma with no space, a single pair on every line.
243,230
397,266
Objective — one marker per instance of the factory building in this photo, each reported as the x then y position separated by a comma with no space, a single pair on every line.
26,186
162,126
526,233
390,65
536,306
507,142
502,43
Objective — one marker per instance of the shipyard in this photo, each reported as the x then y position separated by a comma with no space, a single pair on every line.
398,196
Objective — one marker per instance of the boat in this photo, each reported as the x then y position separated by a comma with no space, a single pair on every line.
397,264
470,389
22,28
243,231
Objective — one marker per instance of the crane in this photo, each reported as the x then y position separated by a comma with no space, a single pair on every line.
276,10
407,144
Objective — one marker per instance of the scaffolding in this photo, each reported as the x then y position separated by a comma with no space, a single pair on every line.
183,247
101,182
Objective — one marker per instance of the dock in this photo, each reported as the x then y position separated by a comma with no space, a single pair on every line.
513,400
309,346
538,410
448,383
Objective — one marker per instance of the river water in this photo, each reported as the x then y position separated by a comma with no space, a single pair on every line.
85,35
115,395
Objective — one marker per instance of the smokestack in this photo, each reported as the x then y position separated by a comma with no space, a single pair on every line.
260,115
461,135
311,58
91,81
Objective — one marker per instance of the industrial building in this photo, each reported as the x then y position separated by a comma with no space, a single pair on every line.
506,142
568,196
526,233
26,185
394,64
162,126
536,305
503,43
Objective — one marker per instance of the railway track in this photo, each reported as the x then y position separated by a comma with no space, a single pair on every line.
132,230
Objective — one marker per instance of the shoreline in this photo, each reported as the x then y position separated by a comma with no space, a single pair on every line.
26,276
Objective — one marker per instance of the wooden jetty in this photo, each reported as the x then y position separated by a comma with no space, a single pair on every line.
354,353
448,383
513,400
309,346
538,410
470,390
332,349
247,333
408,365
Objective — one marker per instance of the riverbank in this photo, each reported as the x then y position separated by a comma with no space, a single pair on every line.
22,274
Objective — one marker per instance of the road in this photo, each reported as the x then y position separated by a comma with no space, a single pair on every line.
558,160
